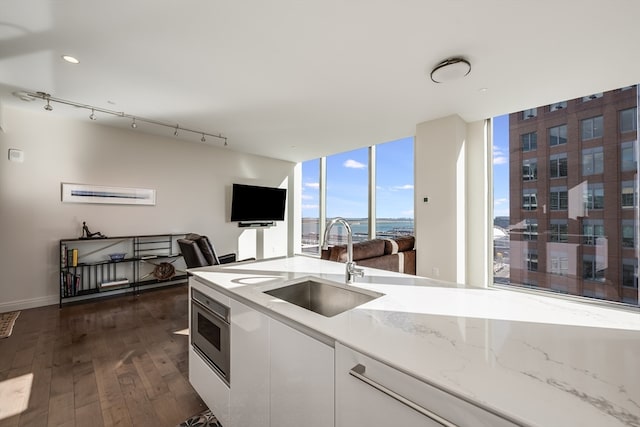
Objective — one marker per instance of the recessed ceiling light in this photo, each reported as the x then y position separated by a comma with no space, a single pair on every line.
483,89
70,59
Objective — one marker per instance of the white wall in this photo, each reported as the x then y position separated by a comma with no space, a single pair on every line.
192,181
451,228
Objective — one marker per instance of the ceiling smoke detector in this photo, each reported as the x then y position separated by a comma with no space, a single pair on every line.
450,69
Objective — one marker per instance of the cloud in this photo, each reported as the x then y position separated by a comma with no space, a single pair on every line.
500,201
403,187
407,214
307,197
312,184
499,157
310,206
352,164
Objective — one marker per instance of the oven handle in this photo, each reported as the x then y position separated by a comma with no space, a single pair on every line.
221,316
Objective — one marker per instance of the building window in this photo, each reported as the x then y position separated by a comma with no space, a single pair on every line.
558,106
529,199
592,97
628,153
592,161
593,268
558,135
595,196
559,263
558,165
529,170
630,273
559,231
558,199
530,113
628,233
592,128
531,229
531,259
629,194
629,120
529,141
592,230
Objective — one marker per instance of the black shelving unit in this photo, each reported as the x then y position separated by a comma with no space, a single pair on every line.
87,271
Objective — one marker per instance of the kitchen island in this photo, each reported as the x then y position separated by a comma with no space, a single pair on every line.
530,360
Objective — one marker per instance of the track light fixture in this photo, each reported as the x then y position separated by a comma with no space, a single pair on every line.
48,98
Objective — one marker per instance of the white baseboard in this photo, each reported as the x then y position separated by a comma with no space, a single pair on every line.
29,303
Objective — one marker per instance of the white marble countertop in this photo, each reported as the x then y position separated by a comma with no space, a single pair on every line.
542,361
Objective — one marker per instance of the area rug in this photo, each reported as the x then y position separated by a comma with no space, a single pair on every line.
204,419
7,320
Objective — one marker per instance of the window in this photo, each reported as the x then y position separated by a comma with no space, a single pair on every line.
559,263
529,170
558,199
558,106
394,188
530,113
531,229
558,165
529,199
592,161
310,207
630,273
592,97
629,194
628,153
593,268
629,120
559,231
531,259
628,233
558,135
595,196
592,230
529,141
592,128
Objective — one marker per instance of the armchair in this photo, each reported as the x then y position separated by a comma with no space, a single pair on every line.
198,251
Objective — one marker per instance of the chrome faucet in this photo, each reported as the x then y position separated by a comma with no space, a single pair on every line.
351,271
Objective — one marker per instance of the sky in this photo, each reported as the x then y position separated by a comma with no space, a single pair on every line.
347,182
501,165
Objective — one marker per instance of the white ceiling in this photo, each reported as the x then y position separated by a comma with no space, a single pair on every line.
298,79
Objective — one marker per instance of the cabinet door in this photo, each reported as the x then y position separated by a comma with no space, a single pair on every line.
386,396
249,367
302,373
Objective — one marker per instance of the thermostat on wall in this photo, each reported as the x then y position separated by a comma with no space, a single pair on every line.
16,155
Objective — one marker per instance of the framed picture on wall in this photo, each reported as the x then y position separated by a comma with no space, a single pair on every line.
82,193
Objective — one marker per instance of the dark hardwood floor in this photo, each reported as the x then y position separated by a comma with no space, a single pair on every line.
113,362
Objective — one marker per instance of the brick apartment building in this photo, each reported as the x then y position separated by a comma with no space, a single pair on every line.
573,197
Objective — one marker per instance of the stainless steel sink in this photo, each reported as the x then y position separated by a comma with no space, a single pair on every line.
323,297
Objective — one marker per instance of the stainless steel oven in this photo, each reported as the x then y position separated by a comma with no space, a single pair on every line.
210,332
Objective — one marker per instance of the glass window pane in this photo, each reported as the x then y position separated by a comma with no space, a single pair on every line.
585,221
311,206
394,188
348,194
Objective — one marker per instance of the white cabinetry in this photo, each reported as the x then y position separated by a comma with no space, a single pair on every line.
249,366
302,379
379,395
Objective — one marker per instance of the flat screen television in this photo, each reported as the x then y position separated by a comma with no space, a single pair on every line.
250,203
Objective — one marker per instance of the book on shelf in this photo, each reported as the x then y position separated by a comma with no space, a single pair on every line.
63,255
72,257
70,284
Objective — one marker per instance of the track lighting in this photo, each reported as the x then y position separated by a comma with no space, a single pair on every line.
134,119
